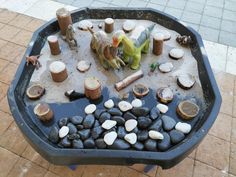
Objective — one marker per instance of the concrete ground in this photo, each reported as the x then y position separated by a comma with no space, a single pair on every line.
216,155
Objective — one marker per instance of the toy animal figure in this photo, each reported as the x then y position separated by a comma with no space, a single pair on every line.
33,60
134,45
107,54
70,37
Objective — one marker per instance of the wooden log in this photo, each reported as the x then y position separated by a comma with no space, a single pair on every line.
109,25
92,88
64,19
58,71
158,43
54,45
43,112
128,80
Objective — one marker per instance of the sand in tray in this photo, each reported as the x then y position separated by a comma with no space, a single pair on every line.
75,80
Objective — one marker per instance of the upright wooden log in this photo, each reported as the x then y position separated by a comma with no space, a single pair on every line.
54,45
128,80
64,19
43,112
92,88
58,71
109,25
158,39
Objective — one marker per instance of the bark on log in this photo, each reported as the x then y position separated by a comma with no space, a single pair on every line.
128,80
158,43
92,88
54,45
58,71
64,19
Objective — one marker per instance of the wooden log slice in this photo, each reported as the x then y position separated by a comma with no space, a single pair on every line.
109,25
176,53
83,66
35,91
158,43
92,88
167,35
186,81
166,67
140,90
128,26
64,19
54,45
165,95
43,112
187,109
58,71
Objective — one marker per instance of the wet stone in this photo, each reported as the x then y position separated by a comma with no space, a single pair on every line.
120,144
124,106
140,111
164,144
110,137
72,128
138,146
176,136
129,115
108,124
154,113
74,136
89,121
120,120
63,131
130,124
100,143
76,120
84,134
150,145
54,135
96,132
156,125
135,130
115,112
98,112
131,138
104,116
63,122
96,124
168,122
142,135
89,143
121,132
77,144
144,122
65,142
80,127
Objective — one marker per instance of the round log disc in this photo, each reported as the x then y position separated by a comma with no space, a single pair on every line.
187,109
92,88
165,94
186,81
140,90
35,91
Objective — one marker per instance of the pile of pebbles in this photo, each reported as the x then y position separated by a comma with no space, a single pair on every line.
122,126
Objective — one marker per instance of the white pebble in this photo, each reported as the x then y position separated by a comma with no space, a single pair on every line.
109,104
131,138
136,103
155,135
90,108
110,137
162,108
183,127
124,106
63,131
108,124
130,124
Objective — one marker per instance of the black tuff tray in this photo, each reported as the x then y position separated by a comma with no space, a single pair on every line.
56,155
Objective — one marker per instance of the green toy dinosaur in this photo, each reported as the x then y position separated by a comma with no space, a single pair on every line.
134,45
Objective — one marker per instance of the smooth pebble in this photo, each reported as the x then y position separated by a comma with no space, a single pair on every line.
136,103
90,108
183,127
155,135
110,137
130,124
162,108
124,106
131,138
108,124
109,104
63,131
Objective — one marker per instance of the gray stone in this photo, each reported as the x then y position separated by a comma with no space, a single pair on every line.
168,123
65,142
120,120
72,128
164,144
100,143
77,144
140,111
120,144
142,135
76,120
89,121
115,112
96,132
104,116
154,113
176,136
121,132
156,125
129,115
89,143
150,145
63,121
138,146
54,135
84,134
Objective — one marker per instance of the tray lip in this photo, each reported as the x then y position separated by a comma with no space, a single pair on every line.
163,157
